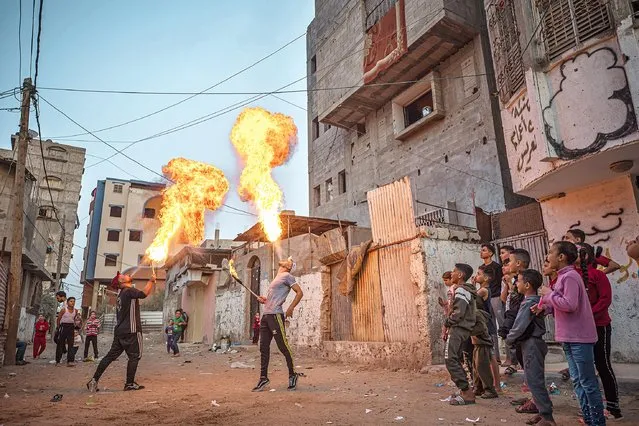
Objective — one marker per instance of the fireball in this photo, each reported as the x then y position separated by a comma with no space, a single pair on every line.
263,140
198,187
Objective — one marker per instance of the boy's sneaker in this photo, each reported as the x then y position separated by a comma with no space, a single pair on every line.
261,384
92,386
292,381
613,415
133,387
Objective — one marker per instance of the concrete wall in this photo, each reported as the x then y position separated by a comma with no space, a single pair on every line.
617,201
450,160
231,314
304,329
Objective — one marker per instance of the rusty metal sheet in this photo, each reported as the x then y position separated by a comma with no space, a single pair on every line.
341,311
367,303
398,294
391,212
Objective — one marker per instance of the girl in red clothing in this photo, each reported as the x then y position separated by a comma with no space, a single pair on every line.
600,296
256,328
40,337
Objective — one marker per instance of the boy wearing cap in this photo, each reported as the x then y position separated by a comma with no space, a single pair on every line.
127,336
272,324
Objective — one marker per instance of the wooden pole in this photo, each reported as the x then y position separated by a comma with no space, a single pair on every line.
15,274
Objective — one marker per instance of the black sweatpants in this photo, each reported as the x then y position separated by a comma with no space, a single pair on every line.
65,341
272,327
130,343
604,367
94,341
453,356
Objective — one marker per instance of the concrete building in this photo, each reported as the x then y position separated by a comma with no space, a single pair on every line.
398,88
64,170
123,222
33,253
568,76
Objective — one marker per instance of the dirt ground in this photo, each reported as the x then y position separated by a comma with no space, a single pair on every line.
181,391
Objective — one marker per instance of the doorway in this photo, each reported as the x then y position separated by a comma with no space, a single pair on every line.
254,265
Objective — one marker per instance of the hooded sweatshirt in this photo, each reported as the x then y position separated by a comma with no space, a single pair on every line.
464,311
526,324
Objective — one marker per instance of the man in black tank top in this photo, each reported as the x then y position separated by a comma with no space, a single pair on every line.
127,336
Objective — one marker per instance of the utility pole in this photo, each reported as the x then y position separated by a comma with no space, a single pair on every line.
15,281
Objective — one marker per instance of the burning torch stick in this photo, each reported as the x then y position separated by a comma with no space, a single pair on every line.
227,265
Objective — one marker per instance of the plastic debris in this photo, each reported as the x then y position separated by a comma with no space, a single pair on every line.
234,351
6,395
239,364
447,399
472,420
553,389
439,385
297,404
57,397
441,419
504,420
345,372
151,402
399,418
12,374
502,385
272,390
208,374
329,423
214,403
368,410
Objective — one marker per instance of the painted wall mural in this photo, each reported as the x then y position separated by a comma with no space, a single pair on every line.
591,106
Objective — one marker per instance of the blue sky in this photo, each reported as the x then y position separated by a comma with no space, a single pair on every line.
160,45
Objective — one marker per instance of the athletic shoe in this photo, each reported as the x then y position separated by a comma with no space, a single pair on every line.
292,381
613,415
261,384
92,386
132,387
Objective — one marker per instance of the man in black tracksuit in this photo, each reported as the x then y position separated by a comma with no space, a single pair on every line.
127,336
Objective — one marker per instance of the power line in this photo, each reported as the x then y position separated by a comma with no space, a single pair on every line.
192,95
32,32
317,89
37,60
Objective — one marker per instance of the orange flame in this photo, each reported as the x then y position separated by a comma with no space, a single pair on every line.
263,140
197,187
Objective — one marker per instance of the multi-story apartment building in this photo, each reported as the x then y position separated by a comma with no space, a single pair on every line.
398,88
64,169
123,222
568,76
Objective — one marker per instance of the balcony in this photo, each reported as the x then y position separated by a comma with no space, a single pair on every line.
404,44
34,249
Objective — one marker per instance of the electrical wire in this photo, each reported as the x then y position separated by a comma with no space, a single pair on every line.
32,32
37,60
20,41
192,95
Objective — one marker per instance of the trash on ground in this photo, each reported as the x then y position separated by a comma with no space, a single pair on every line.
6,395
441,419
447,399
214,403
272,390
234,351
472,420
345,372
553,389
368,410
57,397
399,418
12,374
151,402
439,385
297,404
504,420
187,361
207,373
239,364
502,385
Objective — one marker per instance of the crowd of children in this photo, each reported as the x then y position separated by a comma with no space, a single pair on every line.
510,300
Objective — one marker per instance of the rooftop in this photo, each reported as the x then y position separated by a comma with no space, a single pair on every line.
293,226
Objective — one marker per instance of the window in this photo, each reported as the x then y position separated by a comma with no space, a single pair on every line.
117,188
317,197
568,23
115,211
135,235
149,213
314,129
341,182
113,235
46,212
635,8
313,64
418,109
376,9
53,182
417,106
509,64
329,189
110,260
361,129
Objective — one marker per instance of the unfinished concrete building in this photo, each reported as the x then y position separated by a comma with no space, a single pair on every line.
399,88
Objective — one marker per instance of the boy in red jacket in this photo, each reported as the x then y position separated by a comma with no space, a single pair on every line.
40,337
